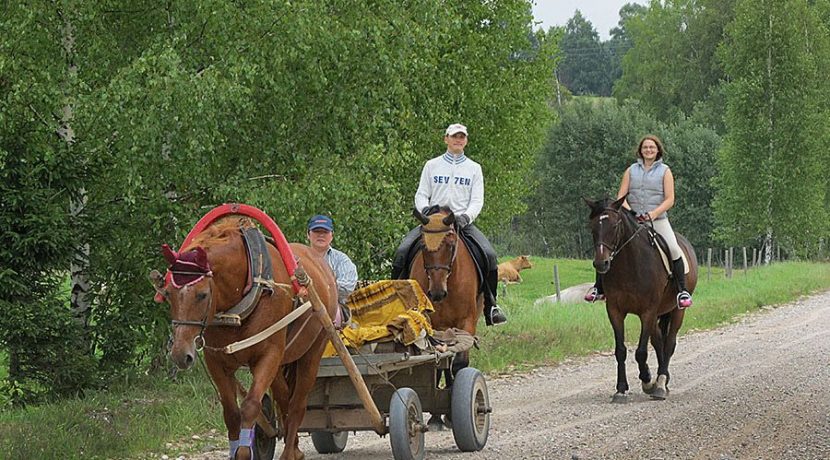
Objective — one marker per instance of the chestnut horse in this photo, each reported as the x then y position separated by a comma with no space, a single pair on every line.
446,271
219,259
635,281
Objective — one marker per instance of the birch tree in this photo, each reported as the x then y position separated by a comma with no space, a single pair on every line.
772,169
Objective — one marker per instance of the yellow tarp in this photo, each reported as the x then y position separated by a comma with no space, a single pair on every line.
386,310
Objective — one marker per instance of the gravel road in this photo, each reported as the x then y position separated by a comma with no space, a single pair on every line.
757,389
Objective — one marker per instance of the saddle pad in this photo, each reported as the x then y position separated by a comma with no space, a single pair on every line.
663,250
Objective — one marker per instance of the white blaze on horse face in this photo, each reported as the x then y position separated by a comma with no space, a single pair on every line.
601,249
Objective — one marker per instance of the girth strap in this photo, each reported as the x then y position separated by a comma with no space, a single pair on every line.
262,278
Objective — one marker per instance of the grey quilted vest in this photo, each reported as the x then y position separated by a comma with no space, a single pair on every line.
645,191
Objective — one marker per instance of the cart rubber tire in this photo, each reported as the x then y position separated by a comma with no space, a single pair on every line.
470,409
326,442
406,425
264,445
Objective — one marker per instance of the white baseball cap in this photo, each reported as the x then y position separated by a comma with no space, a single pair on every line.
456,128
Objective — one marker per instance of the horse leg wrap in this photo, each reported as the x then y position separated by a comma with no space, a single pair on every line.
234,445
246,439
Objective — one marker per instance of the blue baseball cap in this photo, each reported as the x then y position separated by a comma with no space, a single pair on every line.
321,221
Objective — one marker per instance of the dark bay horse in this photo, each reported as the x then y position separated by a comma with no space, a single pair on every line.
635,281
216,263
446,271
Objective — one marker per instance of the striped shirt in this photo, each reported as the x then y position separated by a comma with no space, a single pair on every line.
453,181
345,272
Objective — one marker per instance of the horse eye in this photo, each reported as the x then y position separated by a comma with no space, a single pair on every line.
201,296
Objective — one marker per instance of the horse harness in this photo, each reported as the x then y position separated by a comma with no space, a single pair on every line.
260,279
656,239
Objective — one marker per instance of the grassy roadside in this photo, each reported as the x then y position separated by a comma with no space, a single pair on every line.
152,416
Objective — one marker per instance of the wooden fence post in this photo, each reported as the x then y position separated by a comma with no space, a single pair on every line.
745,267
709,264
556,283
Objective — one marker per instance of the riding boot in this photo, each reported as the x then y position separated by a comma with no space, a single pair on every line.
493,315
684,298
596,292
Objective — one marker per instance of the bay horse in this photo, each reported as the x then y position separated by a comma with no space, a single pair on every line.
445,269
636,281
286,362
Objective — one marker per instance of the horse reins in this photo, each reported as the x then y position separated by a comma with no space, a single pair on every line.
617,248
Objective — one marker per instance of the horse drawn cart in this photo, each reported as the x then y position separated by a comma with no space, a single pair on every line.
392,378
386,387
402,387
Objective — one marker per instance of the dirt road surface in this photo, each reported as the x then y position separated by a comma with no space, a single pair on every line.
757,389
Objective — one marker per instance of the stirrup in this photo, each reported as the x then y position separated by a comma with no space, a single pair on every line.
684,300
593,295
495,317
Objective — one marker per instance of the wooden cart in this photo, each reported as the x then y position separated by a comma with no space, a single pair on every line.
387,393
403,387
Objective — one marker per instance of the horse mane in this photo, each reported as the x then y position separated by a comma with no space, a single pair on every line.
220,231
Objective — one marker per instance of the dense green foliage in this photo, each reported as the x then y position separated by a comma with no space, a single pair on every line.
672,66
298,108
774,165
586,155
585,65
39,175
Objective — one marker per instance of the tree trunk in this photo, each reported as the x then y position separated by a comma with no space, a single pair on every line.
79,301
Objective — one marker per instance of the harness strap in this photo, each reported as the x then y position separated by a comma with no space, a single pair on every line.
271,330
261,274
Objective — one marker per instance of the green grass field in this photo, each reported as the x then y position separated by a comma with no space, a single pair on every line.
137,419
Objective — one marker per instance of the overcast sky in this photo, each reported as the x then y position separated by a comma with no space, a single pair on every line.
603,14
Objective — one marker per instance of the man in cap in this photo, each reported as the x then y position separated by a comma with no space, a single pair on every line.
320,235
455,181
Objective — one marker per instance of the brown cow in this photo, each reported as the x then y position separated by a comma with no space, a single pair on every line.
509,271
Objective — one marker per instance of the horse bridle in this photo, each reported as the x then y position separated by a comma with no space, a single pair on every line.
617,248
448,267
201,324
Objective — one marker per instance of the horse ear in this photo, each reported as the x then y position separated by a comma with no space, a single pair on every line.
592,203
618,204
169,255
421,218
201,258
589,201
449,220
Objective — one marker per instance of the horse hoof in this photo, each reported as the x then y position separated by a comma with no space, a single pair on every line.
648,387
619,398
660,391
447,422
435,423
658,394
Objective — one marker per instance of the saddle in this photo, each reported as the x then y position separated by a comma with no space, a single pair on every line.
662,247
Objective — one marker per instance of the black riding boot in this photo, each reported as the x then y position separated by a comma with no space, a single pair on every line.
684,298
493,315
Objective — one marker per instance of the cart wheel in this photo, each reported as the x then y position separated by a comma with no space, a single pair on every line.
329,443
406,425
264,445
470,410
